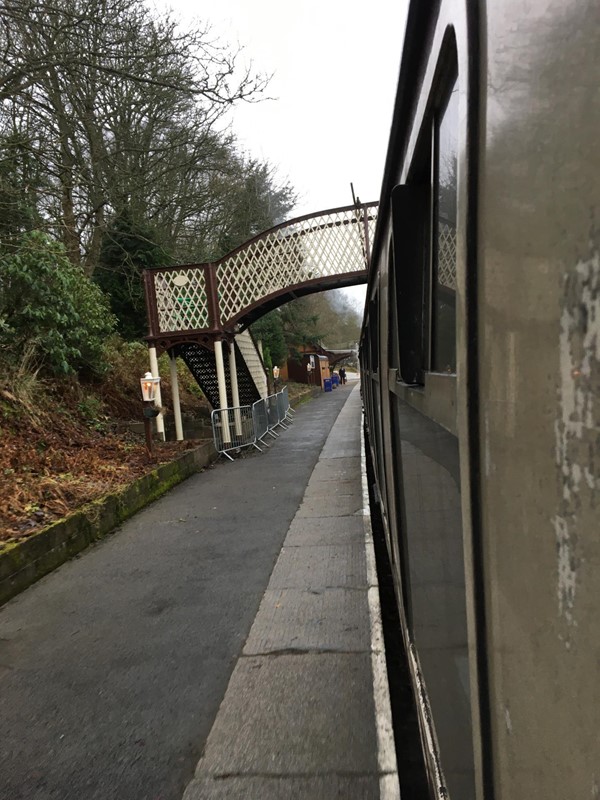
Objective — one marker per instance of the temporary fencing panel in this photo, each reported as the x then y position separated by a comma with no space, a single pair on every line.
244,426
288,409
260,418
281,409
233,428
272,411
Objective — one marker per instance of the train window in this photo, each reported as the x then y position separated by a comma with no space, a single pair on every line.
443,294
374,336
410,213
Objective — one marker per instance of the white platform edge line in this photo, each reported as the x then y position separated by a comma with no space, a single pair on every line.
389,785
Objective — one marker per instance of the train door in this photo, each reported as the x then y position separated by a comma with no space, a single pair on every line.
423,427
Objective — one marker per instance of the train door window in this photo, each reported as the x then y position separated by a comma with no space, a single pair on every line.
374,337
443,294
393,337
410,209
374,334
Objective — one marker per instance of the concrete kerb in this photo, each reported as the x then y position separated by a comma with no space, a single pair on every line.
23,563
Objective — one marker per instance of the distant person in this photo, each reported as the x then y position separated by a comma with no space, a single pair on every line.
342,375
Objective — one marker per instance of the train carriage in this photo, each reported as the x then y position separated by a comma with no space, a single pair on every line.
480,359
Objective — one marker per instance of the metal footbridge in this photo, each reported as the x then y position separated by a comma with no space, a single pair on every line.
201,312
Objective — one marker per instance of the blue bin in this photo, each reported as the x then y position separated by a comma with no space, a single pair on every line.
327,385
335,379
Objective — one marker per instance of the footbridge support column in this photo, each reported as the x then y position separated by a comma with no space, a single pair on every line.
175,395
222,388
160,421
235,392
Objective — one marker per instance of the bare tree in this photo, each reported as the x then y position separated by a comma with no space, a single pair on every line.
118,109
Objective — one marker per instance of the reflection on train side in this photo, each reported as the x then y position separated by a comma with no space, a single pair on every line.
430,497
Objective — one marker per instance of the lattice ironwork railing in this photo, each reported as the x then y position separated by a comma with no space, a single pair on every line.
292,254
181,299
446,266
309,248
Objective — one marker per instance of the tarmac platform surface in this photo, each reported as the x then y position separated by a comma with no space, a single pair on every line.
305,715
177,640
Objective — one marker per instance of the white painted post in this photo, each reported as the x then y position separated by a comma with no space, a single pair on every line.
235,392
263,388
175,395
222,390
160,422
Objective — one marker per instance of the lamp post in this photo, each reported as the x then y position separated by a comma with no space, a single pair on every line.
149,387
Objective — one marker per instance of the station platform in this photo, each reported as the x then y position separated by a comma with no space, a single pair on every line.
306,714
224,643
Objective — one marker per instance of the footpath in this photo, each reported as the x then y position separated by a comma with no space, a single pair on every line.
231,627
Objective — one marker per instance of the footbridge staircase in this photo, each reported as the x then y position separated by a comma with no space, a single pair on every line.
251,375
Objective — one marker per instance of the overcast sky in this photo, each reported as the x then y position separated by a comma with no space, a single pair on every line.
335,69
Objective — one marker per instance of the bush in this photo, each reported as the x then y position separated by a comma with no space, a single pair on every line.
48,305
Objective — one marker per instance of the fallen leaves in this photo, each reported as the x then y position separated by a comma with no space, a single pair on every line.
46,475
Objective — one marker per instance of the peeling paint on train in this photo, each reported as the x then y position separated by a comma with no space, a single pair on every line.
576,432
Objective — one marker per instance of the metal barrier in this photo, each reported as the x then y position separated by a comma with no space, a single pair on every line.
244,426
272,411
281,409
288,409
260,418
233,428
